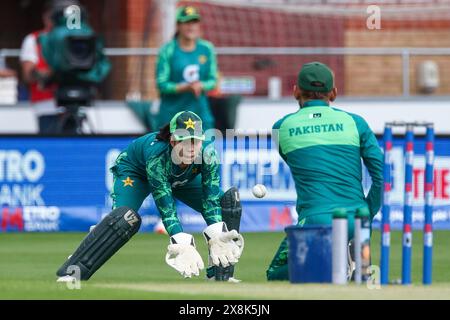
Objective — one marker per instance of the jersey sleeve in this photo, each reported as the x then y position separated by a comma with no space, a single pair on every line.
162,195
276,137
165,86
373,160
210,82
28,50
212,211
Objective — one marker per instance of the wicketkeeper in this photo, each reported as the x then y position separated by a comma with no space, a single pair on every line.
170,164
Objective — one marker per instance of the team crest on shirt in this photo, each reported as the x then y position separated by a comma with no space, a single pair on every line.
202,59
191,73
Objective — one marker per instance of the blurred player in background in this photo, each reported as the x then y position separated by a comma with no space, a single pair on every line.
323,148
170,164
186,69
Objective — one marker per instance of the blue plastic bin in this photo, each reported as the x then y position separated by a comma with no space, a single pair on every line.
309,254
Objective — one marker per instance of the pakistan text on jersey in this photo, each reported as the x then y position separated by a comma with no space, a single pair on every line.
319,128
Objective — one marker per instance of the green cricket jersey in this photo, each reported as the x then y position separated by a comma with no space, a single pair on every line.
176,66
323,147
150,160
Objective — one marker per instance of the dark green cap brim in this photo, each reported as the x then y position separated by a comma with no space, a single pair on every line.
189,18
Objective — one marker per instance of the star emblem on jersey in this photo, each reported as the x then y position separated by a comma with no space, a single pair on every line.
128,182
189,124
202,59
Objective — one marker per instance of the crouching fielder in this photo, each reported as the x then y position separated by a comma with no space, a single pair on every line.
170,164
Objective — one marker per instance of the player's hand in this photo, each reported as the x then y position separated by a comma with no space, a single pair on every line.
197,88
43,78
183,87
225,247
183,256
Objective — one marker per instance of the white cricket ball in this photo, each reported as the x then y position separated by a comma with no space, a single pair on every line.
259,191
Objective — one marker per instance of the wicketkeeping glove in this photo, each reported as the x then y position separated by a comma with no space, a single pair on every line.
225,247
183,256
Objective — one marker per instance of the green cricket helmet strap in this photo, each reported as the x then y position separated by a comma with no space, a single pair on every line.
186,125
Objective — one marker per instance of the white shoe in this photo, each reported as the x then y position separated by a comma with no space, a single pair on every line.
92,228
66,278
231,279
234,280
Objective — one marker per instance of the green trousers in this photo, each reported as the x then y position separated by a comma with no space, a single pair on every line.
278,269
131,190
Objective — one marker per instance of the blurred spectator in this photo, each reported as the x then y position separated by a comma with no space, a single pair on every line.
186,69
4,71
8,83
34,69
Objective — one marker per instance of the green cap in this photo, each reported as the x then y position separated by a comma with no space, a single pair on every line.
187,13
186,125
316,77
340,213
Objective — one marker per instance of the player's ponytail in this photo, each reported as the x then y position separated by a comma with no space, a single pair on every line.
164,133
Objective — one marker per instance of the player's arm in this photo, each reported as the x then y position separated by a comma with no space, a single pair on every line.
182,254
163,69
28,58
275,137
162,195
211,187
225,247
165,86
210,82
373,160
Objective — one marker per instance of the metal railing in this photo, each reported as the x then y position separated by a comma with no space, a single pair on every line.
404,53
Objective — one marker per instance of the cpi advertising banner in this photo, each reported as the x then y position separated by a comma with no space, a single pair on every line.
63,184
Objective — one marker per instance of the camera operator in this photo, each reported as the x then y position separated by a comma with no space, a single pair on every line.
72,65
35,70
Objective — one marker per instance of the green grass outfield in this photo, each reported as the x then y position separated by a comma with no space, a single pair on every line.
138,271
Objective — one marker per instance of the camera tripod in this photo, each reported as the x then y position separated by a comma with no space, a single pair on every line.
74,100
72,120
